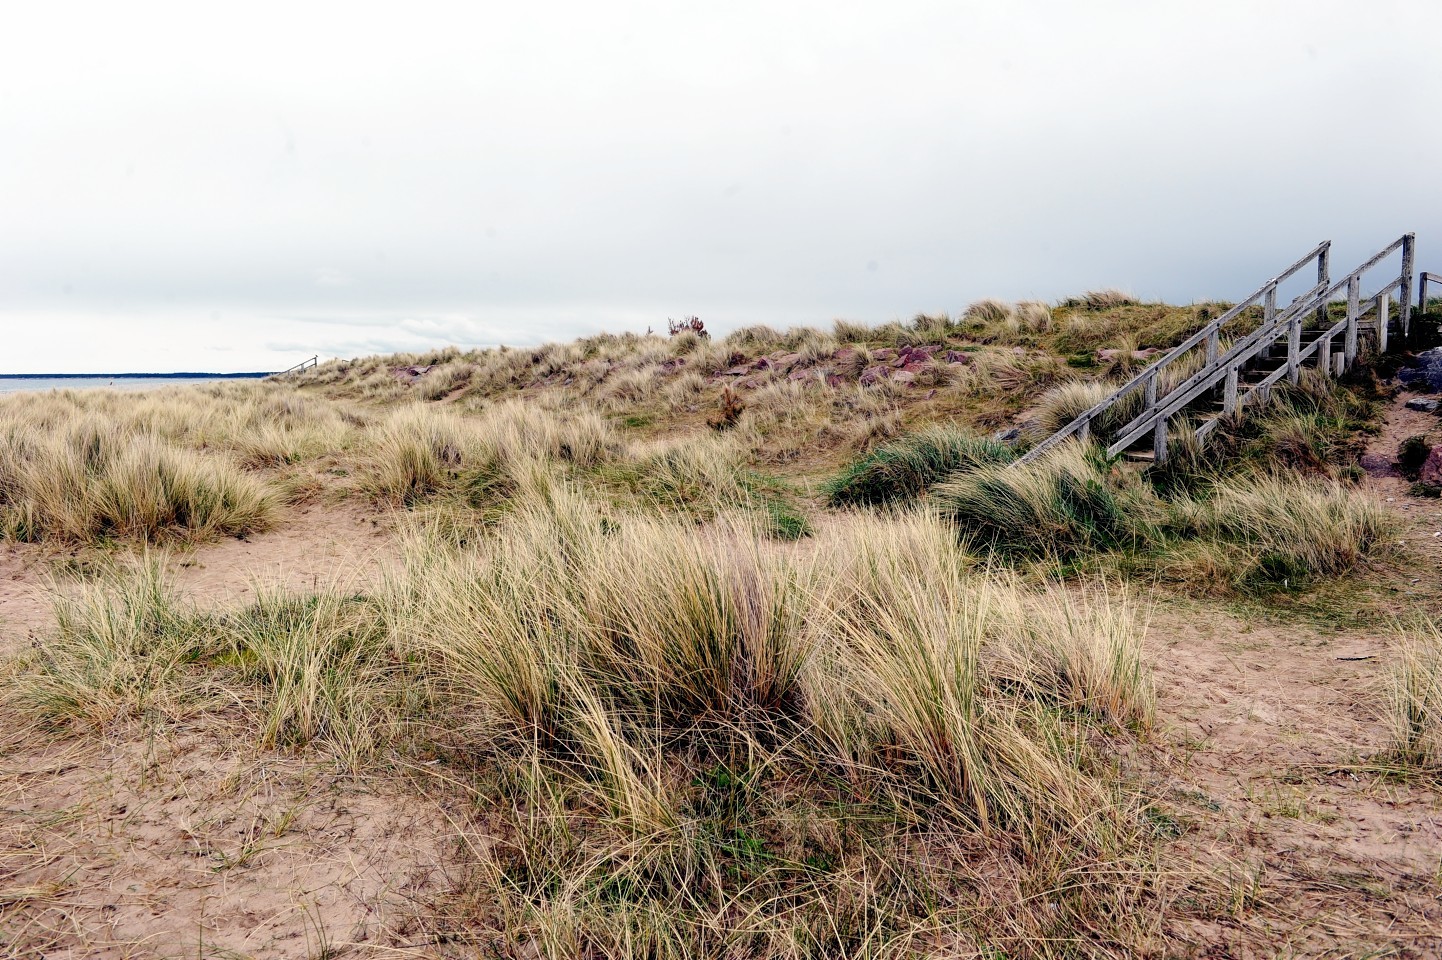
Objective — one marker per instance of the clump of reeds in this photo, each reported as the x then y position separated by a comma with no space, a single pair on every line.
905,468
1073,503
94,478
1068,503
1415,695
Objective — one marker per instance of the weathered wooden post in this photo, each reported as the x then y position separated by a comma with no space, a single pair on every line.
1404,296
1383,308
1349,344
1294,349
1324,257
1159,441
1229,392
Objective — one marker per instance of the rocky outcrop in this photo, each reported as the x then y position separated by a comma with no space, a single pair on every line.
1424,373
1431,473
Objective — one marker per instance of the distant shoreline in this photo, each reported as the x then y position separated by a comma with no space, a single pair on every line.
136,376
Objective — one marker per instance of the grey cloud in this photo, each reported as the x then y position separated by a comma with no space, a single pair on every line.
511,174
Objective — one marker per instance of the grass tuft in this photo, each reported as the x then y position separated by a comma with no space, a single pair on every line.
1415,696
905,468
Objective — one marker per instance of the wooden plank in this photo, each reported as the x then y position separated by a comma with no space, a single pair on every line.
1294,349
1382,310
1349,344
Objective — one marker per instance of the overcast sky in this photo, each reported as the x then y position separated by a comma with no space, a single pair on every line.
237,187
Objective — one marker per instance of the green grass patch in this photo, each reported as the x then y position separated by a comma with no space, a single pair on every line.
907,467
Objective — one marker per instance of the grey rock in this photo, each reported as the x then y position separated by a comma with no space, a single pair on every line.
1425,404
1424,374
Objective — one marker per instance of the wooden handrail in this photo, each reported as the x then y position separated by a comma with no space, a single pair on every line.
1226,365
1424,279
1265,294
296,368
1259,340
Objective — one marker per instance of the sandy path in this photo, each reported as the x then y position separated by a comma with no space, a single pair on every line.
172,840
180,842
24,597
314,546
317,546
1278,722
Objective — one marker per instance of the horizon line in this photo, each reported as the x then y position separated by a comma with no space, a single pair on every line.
180,374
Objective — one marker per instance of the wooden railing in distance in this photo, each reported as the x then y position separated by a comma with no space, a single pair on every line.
303,365
1224,367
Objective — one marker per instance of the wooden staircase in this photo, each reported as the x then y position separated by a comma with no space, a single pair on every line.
1234,367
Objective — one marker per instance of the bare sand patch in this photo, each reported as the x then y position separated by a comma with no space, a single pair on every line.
314,546
178,841
1278,724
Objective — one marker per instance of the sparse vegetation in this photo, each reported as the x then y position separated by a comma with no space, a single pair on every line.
1411,454
1415,696
905,468
658,681
835,678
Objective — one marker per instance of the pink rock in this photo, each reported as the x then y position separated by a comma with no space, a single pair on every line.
844,355
834,379
930,350
871,375
1431,473
912,366
903,376
957,356
786,359
740,371
761,364
885,353
798,375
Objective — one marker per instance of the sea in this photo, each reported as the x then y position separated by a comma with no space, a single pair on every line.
16,382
